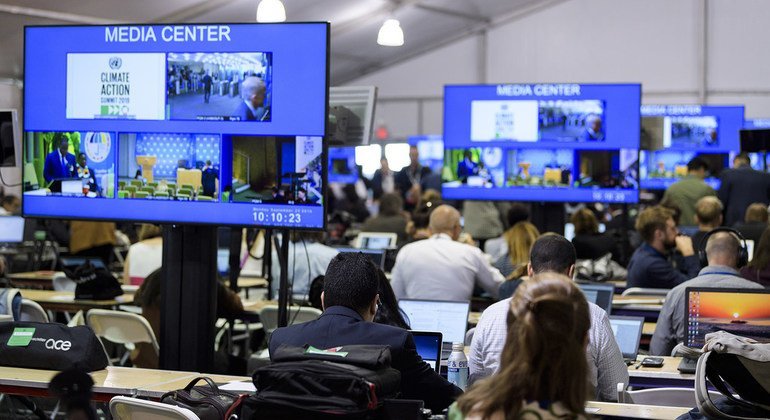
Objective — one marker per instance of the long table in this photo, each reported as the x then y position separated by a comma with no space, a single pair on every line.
66,302
634,411
150,383
665,376
112,381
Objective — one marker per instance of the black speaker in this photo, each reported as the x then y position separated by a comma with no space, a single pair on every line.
754,141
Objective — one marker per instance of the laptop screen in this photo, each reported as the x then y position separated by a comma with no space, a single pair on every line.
428,345
376,255
373,241
74,262
627,331
223,261
11,229
599,294
743,312
447,317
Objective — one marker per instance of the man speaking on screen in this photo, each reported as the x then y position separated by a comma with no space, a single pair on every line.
59,164
253,106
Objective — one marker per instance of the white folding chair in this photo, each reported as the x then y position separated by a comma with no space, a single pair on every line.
297,315
667,397
126,408
32,311
123,328
634,291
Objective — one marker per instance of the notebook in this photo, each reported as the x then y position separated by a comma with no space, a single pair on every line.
627,331
429,344
743,312
450,318
599,294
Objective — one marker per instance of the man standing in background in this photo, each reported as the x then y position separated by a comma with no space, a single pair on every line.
742,186
688,190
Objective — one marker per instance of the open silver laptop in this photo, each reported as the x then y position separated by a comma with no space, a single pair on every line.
628,332
450,318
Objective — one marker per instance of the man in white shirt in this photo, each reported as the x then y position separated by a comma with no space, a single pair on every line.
440,268
553,253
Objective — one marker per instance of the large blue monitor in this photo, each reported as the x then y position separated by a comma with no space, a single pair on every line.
200,123
542,142
674,134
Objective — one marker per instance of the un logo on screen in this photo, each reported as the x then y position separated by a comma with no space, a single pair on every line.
115,62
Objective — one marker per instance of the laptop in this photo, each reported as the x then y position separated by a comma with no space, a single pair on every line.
376,255
450,318
376,240
743,312
599,294
11,229
627,331
428,345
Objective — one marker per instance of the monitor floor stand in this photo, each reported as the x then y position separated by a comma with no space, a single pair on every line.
188,297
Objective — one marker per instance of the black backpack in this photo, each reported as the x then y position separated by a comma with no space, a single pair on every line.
94,283
348,382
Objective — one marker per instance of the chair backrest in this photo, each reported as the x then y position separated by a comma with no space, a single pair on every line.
667,397
126,408
297,315
32,312
10,302
121,327
632,291
141,194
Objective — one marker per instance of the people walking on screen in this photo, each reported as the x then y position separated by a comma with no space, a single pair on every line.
206,87
593,130
59,164
253,106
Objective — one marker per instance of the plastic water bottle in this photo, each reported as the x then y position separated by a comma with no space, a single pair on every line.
457,366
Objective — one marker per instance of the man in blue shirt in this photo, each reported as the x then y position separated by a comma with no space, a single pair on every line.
649,265
59,164
209,180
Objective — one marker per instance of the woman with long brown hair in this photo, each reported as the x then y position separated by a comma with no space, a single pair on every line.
519,239
543,367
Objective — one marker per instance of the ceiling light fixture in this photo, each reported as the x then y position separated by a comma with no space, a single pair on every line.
271,11
391,34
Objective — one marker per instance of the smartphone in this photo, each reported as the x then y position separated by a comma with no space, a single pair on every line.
652,362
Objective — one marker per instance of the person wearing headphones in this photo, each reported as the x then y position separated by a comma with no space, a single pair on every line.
725,252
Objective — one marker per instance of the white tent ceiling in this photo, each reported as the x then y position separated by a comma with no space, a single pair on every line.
354,51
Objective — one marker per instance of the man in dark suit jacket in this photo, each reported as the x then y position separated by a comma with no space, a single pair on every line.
409,177
350,301
741,187
59,164
253,108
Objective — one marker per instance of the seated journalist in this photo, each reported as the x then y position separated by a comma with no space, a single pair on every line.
350,299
